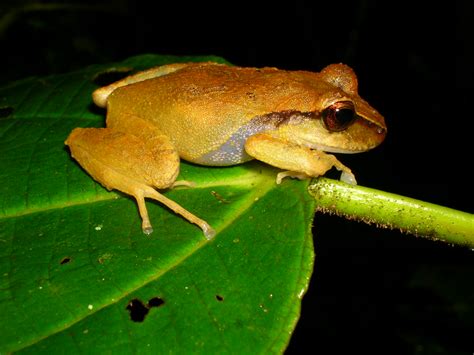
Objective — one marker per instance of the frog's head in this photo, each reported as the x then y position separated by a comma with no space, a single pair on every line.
340,121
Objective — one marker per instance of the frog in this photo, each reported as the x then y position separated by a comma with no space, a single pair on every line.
215,114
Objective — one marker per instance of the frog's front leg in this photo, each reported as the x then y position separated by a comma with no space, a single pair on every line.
299,161
125,162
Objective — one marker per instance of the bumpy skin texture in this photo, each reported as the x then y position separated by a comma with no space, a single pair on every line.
213,114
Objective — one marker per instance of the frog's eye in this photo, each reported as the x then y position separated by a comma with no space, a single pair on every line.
339,116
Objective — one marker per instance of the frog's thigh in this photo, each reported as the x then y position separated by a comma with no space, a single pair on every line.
288,156
132,157
161,159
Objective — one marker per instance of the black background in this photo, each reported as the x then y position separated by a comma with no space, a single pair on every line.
412,61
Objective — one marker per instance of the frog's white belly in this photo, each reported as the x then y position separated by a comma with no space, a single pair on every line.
233,152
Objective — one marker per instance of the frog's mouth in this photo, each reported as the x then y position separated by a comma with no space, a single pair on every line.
361,136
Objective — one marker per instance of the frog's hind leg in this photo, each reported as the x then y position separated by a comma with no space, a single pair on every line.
149,192
146,224
146,162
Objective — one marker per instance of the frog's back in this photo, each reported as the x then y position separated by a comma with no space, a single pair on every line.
208,110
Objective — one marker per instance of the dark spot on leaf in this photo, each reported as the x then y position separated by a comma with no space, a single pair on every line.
219,298
6,111
138,310
155,302
111,75
65,260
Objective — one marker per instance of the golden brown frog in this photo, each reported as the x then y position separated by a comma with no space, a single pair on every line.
218,115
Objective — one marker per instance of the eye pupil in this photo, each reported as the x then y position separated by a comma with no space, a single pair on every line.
339,116
344,115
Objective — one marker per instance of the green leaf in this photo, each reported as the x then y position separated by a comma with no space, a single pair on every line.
75,267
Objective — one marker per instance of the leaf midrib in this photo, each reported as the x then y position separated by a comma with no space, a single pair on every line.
242,181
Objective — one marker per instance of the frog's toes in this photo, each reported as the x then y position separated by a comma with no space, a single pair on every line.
348,178
147,229
209,232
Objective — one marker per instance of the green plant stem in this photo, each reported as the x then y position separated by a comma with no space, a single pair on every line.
393,211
